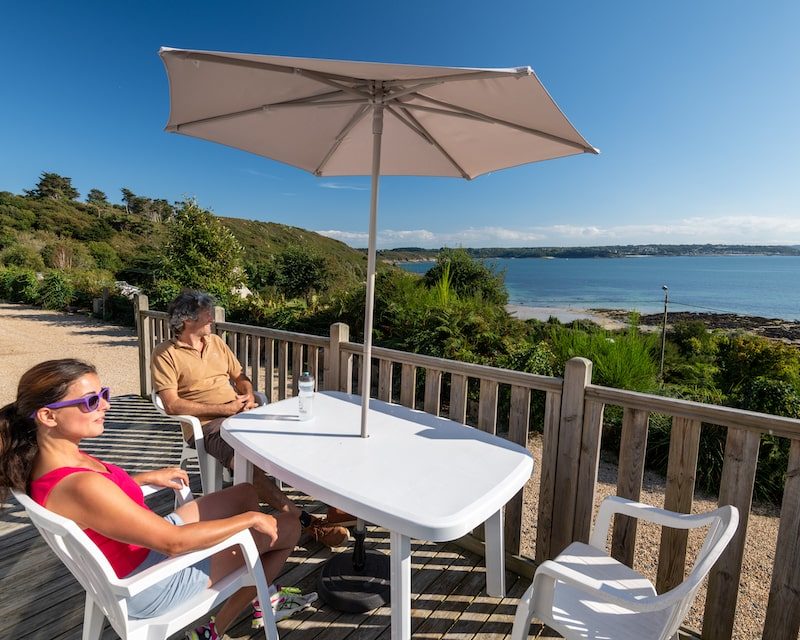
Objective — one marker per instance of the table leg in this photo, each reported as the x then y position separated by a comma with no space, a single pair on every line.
495,556
242,469
400,586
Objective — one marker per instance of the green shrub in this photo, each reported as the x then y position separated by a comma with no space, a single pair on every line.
89,284
19,255
105,256
19,285
56,291
621,360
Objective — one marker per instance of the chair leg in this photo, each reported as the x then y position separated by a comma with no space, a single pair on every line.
210,471
523,616
93,620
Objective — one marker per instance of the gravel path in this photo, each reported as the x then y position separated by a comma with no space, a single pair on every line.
29,335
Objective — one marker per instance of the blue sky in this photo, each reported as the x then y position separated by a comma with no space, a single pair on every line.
694,106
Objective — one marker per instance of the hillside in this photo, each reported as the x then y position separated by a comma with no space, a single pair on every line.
126,240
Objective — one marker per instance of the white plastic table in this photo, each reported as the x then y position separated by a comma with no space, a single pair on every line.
417,475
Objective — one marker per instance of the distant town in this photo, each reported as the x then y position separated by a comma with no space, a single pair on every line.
407,254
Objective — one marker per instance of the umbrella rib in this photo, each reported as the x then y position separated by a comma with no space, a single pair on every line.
357,117
412,123
467,75
416,126
482,116
298,102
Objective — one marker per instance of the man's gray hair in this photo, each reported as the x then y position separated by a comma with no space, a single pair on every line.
188,306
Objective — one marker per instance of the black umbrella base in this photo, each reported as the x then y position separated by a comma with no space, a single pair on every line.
349,590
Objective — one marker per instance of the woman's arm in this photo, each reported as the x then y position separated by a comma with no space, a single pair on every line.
170,477
95,502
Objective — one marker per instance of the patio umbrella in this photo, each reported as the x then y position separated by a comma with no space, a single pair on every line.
344,118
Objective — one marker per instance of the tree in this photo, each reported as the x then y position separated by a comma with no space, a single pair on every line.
54,187
66,253
105,256
200,253
300,272
468,277
97,198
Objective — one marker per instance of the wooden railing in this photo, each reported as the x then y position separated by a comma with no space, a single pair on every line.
570,419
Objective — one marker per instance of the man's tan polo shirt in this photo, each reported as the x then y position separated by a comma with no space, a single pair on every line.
198,377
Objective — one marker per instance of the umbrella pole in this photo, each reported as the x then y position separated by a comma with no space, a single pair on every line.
366,364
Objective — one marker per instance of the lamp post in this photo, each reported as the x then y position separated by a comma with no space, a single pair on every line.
664,331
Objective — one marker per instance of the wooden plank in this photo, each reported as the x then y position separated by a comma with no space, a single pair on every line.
458,398
632,450
587,470
346,372
408,385
547,484
520,411
501,376
487,406
297,366
269,368
577,374
312,359
255,361
708,413
385,380
283,368
684,445
736,488
783,608
433,391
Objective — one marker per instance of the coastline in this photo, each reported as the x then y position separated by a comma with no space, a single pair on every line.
615,319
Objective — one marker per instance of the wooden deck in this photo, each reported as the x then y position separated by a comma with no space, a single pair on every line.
40,600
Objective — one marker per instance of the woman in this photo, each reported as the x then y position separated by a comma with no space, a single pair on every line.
60,402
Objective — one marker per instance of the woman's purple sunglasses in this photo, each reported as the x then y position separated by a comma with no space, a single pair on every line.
87,404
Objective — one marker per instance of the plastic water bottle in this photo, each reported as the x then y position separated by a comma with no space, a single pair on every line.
306,396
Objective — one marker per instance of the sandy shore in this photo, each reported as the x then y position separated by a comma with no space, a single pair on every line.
29,335
564,315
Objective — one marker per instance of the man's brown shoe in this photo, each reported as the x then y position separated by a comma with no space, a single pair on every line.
342,518
330,535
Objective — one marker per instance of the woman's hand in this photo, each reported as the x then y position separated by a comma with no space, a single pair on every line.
169,477
266,525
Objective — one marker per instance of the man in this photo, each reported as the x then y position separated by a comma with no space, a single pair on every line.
195,373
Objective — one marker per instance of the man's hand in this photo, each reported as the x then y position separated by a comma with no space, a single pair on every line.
251,402
241,403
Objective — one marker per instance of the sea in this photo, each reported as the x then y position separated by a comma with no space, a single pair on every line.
753,285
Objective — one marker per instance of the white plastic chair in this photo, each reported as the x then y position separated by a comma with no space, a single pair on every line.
106,593
584,593
210,468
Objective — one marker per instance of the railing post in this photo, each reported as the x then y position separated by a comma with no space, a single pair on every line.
143,334
340,332
219,315
577,375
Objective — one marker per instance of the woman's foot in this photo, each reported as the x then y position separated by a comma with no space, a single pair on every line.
286,601
206,632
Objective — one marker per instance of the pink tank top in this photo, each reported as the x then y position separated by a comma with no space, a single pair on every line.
124,558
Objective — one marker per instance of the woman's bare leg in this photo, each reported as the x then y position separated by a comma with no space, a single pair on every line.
231,501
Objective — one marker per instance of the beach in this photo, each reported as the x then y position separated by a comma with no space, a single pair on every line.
615,319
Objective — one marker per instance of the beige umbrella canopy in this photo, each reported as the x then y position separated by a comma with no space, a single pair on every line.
342,118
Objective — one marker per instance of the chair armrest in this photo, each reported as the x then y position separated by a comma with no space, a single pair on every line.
617,505
182,495
550,571
127,587
261,398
